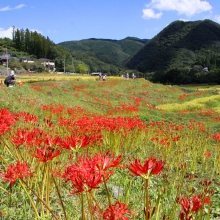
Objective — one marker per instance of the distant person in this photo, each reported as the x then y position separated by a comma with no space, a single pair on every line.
127,76
10,80
100,76
133,76
104,78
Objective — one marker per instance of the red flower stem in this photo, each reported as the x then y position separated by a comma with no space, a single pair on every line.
107,191
31,201
90,206
61,201
97,204
146,199
53,214
42,186
82,207
47,187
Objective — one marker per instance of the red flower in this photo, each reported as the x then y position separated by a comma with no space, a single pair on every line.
117,211
14,172
20,137
87,173
207,154
150,167
73,142
206,200
6,121
46,153
216,136
105,161
83,176
196,203
189,205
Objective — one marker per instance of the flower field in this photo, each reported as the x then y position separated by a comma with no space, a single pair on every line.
113,150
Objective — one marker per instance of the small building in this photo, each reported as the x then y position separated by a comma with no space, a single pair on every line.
205,69
5,59
48,64
26,60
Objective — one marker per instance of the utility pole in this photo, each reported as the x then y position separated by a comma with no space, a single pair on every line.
7,60
64,64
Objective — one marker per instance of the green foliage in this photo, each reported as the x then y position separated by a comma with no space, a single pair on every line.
180,46
104,55
82,68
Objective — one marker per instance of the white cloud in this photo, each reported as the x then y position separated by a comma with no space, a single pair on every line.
185,7
33,30
6,32
149,13
217,18
182,19
5,8
19,6
8,8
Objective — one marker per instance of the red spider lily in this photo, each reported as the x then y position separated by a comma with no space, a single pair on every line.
206,183
165,142
53,108
73,142
87,173
106,161
190,205
216,137
117,211
154,139
176,138
197,203
206,200
48,122
6,120
20,137
95,124
37,88
82,176
36,137
27,117
46,153
207,154
14,172
150,167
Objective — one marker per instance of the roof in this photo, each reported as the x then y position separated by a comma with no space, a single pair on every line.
25,58
5,56
45,59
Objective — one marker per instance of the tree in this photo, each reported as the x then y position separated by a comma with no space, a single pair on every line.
70,68
82,68
15,64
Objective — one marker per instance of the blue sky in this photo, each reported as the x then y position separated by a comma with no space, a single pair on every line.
66,20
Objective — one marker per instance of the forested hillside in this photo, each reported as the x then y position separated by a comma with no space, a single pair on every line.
180,52
104,54
25,43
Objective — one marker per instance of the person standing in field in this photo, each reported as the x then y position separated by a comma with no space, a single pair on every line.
127,76
133,76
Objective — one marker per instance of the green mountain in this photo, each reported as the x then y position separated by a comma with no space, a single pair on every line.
100,54
180,45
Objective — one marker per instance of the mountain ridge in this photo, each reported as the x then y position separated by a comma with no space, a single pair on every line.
110,51
179,37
